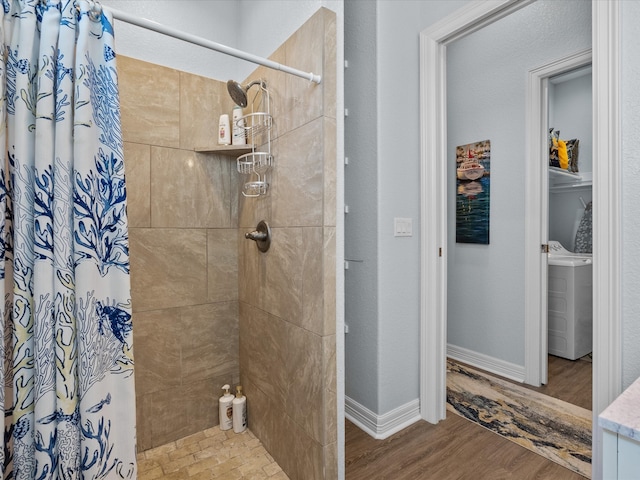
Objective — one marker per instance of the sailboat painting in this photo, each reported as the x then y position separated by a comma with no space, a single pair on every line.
473,169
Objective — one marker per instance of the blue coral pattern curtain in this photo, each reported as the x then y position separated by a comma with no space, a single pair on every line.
68,396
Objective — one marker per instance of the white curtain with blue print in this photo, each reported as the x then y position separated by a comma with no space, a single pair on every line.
68,397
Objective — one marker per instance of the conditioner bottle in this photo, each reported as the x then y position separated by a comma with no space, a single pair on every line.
239,411
224,133
226,409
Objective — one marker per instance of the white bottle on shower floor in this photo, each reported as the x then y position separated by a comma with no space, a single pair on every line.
239,411
225,404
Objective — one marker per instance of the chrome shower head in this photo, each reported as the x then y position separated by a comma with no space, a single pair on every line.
238,93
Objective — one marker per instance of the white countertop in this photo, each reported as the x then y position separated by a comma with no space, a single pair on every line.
623,415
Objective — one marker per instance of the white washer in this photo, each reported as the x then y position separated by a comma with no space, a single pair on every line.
570,302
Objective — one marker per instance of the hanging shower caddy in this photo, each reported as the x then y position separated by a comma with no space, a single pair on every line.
257,128
256,159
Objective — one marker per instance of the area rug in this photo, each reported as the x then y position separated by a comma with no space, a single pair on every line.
549,427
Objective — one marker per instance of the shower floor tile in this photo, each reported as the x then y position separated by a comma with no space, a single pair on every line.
210,454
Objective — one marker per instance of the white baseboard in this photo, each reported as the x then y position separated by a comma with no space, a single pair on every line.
487,363
382,426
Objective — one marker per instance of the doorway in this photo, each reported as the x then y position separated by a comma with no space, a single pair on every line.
541,84
606,385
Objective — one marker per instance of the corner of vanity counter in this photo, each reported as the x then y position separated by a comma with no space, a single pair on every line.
623,415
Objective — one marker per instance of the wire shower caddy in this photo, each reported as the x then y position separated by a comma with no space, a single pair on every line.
256,126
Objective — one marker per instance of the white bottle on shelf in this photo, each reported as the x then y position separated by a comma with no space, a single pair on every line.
239,411
224,134
239,136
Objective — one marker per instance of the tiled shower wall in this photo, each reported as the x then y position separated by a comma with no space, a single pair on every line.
287,295
208,306
182,209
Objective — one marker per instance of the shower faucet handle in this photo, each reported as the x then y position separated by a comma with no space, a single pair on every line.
256,235
261,235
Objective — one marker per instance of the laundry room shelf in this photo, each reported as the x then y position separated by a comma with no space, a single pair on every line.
563,181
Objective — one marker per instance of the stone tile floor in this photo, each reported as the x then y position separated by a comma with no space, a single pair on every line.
210,454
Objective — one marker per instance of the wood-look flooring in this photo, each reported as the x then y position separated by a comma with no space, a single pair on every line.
569,381
457,449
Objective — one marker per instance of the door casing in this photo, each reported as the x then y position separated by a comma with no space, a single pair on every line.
606,209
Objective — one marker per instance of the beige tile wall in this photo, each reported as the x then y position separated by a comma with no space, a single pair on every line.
184,249
287,295
201,292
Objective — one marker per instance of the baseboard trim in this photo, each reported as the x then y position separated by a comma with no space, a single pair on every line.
487,363
382,426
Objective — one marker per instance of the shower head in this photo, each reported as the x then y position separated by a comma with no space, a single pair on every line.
238,93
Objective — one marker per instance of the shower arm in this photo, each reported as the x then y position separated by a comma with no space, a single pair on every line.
187,37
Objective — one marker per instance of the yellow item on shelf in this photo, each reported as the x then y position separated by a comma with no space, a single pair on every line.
563,157
562,154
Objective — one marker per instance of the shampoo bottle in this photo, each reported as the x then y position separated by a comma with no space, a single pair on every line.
239,135
226,409
224,135
239,411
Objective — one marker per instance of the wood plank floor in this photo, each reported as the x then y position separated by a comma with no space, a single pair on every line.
457,449
569,381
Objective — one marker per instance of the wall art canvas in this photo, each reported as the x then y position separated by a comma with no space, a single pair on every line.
473,169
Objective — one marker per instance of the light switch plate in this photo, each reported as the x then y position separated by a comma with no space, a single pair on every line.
402,227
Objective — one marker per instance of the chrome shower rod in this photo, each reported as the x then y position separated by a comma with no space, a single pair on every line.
187,37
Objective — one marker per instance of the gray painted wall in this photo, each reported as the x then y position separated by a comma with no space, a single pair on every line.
487,74
630,248
395,372
255,26
216,21
362,359
382,182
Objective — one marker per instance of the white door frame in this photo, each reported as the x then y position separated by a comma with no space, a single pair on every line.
536,217
606,203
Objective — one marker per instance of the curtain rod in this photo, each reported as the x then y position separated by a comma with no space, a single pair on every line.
187,37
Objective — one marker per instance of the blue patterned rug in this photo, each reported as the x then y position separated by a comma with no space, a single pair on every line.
547,426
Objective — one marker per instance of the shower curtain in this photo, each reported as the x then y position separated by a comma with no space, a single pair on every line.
68,396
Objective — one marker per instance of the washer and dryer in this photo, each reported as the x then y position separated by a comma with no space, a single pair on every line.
570,302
